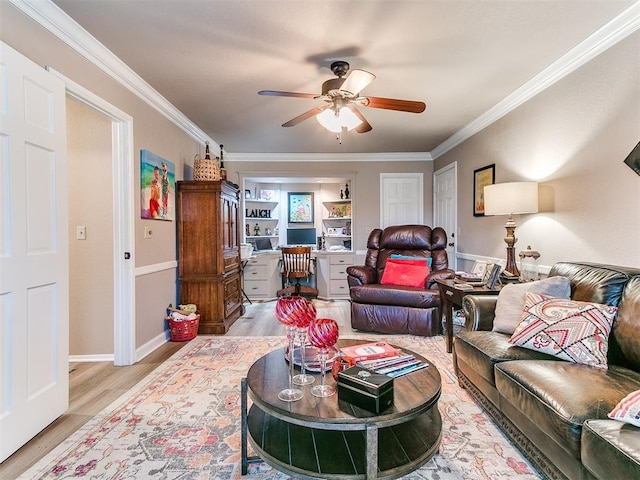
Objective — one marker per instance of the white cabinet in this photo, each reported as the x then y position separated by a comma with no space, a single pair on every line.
332,275
336,223
261,277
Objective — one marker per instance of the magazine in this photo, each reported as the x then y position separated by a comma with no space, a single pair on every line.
370,351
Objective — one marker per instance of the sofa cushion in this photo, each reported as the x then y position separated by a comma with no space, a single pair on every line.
625,335
546,391
482,350
408,273
573,331
395,295
628,409
611,449
512,296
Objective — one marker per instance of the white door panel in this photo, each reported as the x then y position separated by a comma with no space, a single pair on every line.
445,207
34,291
401,199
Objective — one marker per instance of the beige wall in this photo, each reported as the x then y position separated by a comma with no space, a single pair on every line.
365,190
91,260
572,138
151,131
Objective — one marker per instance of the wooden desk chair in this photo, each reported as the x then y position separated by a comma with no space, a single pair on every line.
296,264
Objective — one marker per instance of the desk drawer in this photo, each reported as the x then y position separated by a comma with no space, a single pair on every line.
339,288
256,272
345,260
257,288
337,272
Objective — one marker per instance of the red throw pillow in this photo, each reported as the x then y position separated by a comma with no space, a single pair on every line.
408,273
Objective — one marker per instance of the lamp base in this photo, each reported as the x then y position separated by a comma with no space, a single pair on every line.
511,240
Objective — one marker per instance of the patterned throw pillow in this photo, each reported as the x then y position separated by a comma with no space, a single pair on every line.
628,410
570,330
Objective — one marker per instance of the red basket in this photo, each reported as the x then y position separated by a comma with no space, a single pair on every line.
183,330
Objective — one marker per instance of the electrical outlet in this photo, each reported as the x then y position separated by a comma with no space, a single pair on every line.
148,233
81,232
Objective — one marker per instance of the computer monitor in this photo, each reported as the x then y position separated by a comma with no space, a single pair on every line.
301,236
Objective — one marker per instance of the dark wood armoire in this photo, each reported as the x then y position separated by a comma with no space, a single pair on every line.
209,252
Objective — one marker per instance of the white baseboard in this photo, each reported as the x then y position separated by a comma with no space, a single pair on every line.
141,352
102,357
151,345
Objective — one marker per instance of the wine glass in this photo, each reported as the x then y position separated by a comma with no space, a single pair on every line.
284,310
304,313
323,333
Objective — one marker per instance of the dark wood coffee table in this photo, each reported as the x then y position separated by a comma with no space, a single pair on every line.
330,439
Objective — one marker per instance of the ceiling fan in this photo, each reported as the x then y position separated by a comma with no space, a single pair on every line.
342,99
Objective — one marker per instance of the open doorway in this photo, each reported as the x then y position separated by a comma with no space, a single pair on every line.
122,207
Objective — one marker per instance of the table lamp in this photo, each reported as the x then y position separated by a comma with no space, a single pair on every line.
509,199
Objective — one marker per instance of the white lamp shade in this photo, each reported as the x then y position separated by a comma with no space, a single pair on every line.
334,122
508,198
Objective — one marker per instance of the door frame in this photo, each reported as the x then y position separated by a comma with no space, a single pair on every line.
452,166
123,219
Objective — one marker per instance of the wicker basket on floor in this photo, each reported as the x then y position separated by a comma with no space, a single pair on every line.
183,330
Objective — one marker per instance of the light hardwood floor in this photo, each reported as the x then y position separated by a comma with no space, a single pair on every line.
93,386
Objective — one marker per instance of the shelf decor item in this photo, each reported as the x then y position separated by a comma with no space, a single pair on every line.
323,333
285,306
206,169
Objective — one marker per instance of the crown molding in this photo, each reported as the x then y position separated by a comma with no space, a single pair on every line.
627,22
331,157
52,18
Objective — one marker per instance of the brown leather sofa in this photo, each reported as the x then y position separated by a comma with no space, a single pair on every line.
556,411
399,309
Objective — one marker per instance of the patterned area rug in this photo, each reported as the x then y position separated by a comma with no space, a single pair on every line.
183,422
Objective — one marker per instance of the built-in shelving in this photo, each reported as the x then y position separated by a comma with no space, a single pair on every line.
337,223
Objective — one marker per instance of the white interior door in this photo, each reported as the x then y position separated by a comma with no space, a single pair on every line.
401,199
34,286
445,208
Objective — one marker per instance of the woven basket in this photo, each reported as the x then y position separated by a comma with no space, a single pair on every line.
205,170
183,330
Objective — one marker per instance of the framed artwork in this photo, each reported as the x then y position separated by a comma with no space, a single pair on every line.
157,187
481,178
300,207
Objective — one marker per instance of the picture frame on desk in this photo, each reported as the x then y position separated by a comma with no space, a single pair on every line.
494,275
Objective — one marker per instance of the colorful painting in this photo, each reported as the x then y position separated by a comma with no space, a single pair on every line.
157,187
301,207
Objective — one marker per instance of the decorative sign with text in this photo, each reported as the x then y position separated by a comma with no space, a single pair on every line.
257,213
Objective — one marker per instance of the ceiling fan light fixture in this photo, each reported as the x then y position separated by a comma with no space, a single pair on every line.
357,81
335,121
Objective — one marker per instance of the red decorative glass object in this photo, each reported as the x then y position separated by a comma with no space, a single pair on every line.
342,362
323,332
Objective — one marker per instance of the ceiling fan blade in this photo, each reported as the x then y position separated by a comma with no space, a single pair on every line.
365,126
275,93
394,104
357,81
301,118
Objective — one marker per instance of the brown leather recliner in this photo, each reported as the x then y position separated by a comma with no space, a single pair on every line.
399,309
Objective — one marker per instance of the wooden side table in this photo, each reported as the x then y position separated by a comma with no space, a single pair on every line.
450,296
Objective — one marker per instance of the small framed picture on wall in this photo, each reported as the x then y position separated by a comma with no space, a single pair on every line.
481,178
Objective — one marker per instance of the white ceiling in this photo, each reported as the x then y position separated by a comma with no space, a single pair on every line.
210,58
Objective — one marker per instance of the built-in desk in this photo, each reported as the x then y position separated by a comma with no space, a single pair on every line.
262,279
